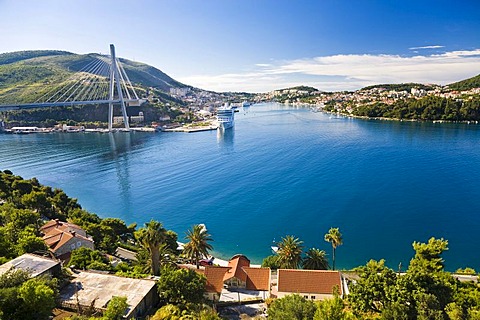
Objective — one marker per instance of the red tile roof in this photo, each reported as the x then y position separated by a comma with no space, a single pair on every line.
236,264
258,278
57,233
61,225
308,281
215,278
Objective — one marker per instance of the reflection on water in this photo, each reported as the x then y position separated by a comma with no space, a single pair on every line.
120,146
225,138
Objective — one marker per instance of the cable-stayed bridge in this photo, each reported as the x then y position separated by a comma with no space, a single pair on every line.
102,81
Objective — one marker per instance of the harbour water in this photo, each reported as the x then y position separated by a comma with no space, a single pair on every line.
280,171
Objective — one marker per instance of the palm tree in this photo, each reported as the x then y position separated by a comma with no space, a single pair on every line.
151,237
335,238
197,245
290,252
315,259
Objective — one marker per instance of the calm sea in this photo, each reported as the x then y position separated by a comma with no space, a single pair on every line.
280,171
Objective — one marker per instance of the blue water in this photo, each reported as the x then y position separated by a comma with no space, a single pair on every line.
280,171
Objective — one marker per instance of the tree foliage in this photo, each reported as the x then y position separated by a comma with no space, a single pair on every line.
116,308
25,298
290,252
335,238
425,291
315,259
293,307
86,258
198,244
151,237
426,108
181,286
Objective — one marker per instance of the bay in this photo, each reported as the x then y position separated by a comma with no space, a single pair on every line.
282,170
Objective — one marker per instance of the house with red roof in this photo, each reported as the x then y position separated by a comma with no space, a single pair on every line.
238,274
63,237
214,287
310,284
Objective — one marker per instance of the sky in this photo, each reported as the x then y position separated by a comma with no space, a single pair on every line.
262,45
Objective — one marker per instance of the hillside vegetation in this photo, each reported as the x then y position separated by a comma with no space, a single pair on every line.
466,84
28,75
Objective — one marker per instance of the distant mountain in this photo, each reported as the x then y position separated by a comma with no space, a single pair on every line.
466,84
27,75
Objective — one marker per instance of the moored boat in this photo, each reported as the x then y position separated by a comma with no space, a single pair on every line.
225,117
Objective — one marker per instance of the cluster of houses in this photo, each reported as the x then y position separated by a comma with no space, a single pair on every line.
234,282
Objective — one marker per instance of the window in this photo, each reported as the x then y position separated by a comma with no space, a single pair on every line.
79,244
312,297
72,246
306,297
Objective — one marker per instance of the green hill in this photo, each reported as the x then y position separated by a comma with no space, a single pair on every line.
27,75
466,84
399,87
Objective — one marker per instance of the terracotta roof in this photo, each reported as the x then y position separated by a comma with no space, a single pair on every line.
215,278
258,278
61,225
236,264
57,233
308,281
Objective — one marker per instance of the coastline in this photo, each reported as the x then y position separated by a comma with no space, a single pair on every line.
349,115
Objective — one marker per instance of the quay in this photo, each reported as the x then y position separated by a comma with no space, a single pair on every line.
81,129
190,129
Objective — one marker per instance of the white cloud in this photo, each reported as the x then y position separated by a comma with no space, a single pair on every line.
426,47
347,72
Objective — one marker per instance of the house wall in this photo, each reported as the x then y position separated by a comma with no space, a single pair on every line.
307,295
150,301
73,244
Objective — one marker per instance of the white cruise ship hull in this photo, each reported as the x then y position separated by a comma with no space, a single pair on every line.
225,117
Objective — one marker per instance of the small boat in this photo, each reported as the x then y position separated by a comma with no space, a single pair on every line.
246,104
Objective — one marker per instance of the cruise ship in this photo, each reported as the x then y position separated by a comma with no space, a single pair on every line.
225,116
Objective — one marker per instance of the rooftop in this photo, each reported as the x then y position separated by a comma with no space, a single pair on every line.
214,277
236,263
34,264
258,278
309,281
101,288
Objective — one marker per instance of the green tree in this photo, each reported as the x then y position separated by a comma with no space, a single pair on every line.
38,299
271,262
335,238
29,242
85,258
290,252
332,309
292,307
24,298
198,243
151,237
315,259
181,286
373,288
116,308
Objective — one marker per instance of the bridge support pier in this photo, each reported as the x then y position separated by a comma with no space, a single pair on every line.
115,79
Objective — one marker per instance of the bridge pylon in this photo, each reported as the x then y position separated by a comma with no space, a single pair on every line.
115,81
